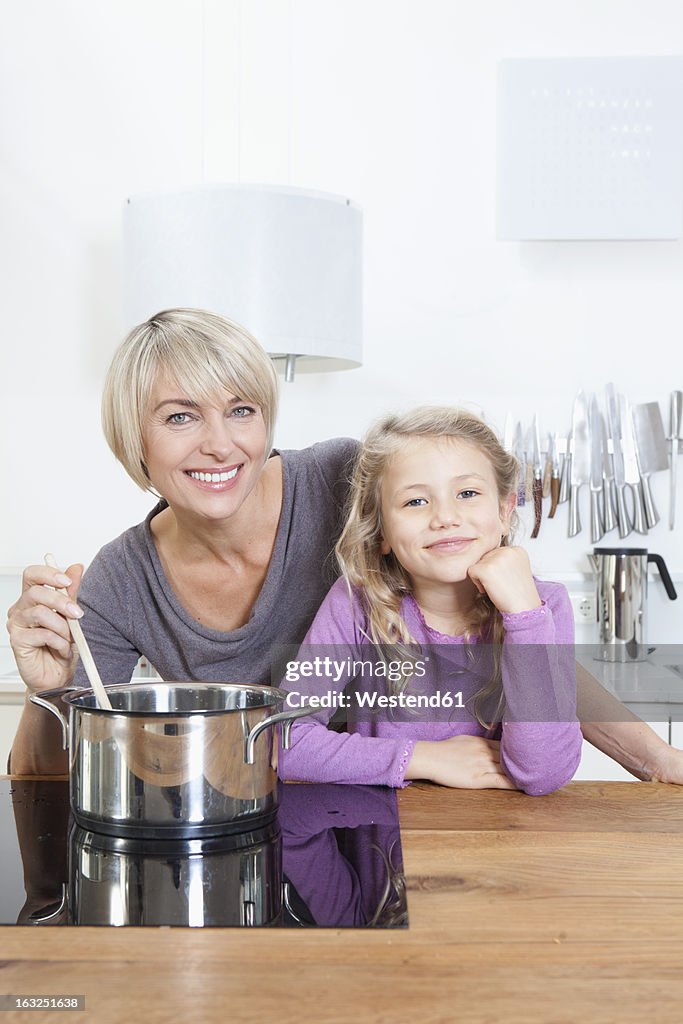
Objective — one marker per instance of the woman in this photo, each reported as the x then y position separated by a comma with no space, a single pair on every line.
235,558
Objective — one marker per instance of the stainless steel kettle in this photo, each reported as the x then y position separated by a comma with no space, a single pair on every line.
621,591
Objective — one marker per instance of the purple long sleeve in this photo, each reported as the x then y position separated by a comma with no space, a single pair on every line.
540,737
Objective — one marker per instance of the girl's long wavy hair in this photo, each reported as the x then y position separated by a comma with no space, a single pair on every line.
381,579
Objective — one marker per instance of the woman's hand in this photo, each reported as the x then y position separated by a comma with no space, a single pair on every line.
39,630
462,762
504,575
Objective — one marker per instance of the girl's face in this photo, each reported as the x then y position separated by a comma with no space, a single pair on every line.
203,458
441,511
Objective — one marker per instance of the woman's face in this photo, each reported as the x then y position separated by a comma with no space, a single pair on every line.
441,511
203,458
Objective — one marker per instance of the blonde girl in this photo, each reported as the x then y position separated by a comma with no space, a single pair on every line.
431,580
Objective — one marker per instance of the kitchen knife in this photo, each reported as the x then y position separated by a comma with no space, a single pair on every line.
518,447
509,433
623,523
653,455
564,474
608,515
548,468
579,470
675,426
631,473
537,485
596,481
555,478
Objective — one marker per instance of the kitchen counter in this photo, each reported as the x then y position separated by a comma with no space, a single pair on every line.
562,908
652,689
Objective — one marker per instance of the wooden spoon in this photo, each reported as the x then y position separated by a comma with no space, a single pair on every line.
84,651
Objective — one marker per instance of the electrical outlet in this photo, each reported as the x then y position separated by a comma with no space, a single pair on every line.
584,606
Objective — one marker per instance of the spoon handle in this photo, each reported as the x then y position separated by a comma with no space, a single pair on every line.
84,651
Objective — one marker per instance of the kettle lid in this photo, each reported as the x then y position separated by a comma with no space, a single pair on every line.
619,551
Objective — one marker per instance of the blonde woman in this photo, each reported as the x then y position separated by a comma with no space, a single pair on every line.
428,572
205,586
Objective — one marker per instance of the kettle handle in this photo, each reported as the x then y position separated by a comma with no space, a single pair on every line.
664,573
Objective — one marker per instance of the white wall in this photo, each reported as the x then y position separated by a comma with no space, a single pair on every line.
390,102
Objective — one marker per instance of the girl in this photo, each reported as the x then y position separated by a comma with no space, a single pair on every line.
427,560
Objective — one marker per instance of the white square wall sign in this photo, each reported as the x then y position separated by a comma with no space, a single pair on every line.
590,148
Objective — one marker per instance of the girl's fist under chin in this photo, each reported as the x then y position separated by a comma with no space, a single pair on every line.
504,575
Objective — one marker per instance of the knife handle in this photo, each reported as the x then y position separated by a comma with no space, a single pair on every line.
574,516
547,477
564,479
554,496
651,514
623,521
638,516
538,505
608,501
597,530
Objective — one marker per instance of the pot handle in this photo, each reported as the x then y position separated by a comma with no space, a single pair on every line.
285,717
39,699
50,912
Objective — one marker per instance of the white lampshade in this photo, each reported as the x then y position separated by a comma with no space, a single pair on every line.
283,262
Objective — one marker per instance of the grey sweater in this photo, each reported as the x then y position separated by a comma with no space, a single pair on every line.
130,608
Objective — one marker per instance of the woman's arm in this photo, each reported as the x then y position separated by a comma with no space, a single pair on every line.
626,739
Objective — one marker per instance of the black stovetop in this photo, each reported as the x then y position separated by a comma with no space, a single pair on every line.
332,858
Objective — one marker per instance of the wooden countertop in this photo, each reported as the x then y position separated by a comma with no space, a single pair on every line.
564,908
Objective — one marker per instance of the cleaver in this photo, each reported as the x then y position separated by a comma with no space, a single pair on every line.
653,452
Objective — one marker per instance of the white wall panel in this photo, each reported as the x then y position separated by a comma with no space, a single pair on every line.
390,102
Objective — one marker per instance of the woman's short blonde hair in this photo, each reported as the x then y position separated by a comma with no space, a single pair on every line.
202,353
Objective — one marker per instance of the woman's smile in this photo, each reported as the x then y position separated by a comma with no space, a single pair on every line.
214,479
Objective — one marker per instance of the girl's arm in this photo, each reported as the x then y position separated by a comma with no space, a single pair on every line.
319,754
541,738
322,669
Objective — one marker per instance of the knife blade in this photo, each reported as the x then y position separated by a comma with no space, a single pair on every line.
555,477
652,452
623,523
537,486
675,427
548,467
564,473
518,446
631,472
608,516
579,472
508,432
596,481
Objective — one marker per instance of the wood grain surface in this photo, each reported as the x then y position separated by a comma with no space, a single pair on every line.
565,908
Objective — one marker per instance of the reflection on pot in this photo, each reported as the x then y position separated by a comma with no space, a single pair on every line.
228,881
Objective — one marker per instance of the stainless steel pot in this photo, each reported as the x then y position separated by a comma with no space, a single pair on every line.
172,760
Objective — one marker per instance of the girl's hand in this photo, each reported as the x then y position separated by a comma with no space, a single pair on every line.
462,762
39,630
504,575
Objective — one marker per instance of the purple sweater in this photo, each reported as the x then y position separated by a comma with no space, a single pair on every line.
539,735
